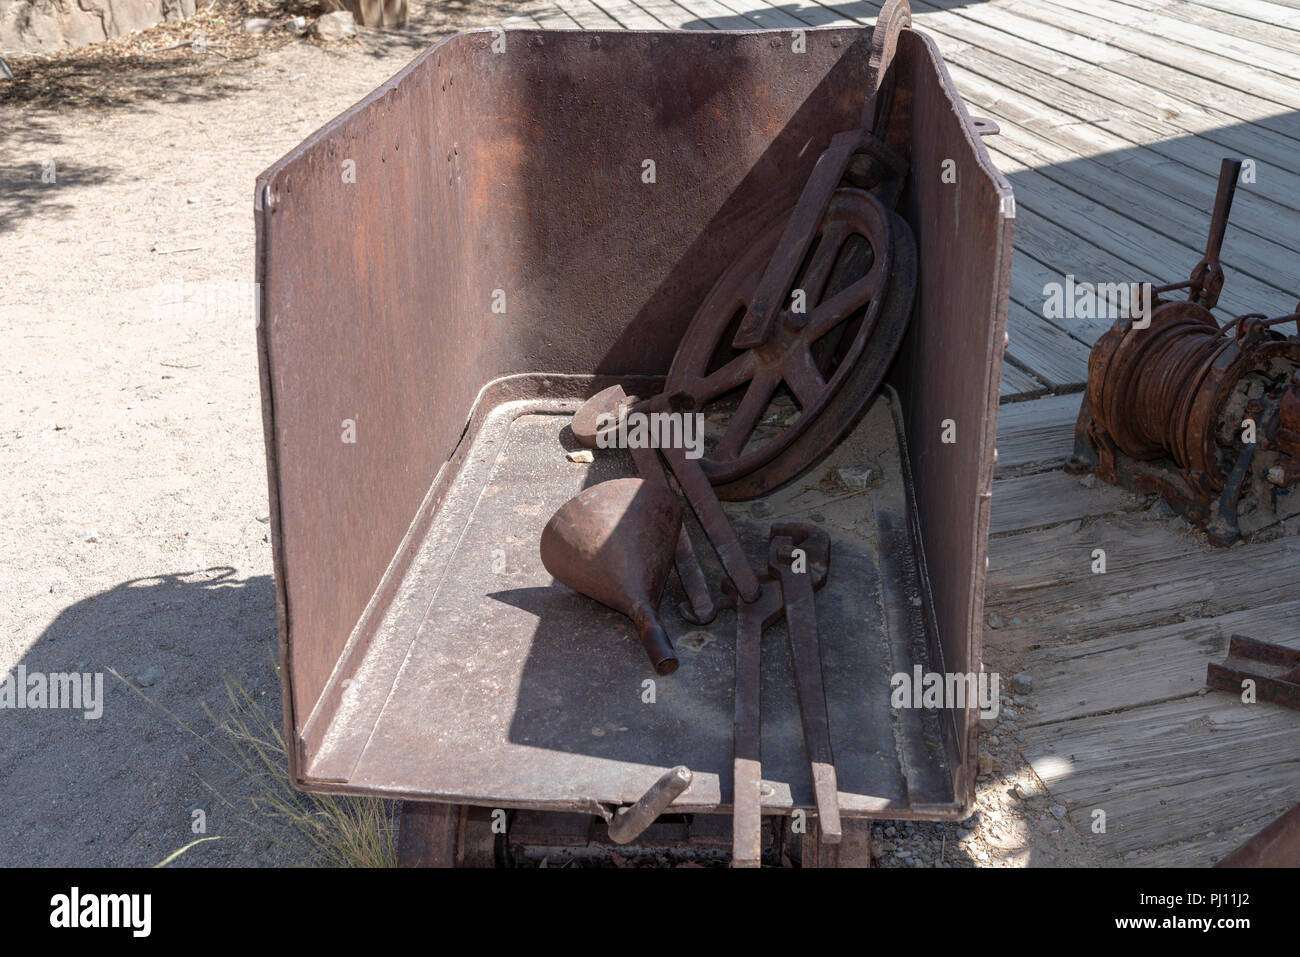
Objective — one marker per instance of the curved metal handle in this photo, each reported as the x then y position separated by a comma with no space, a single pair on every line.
895,16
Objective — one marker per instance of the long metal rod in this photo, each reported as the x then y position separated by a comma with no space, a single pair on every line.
801,622
747,770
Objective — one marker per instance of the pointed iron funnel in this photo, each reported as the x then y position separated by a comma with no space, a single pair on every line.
614,542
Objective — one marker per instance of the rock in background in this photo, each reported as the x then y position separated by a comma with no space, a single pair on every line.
46,26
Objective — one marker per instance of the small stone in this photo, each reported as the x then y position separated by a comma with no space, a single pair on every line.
150,677
582,456
258,25
903,853
891,831
1009,713
877,846
760,509
1180,524
297,24
982,856
334,26
995,620
1022,682
857,476
1131,856
192,200
91,535
1024,792
987,764
1160,510
993,740
1088,481
971,821
1058,811
264,519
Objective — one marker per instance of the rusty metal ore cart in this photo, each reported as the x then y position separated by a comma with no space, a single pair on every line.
447,270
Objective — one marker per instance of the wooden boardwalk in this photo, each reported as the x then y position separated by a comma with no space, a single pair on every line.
1114,117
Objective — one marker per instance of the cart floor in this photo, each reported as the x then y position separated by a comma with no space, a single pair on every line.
490,683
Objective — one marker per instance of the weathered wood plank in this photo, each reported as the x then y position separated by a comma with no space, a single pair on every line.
1280,33
1253,60
587,15
1172,771
628,15
1164,80
1050,354
1153,576
671,15
551,17
1135,668
1016,383
1038,433
1051,498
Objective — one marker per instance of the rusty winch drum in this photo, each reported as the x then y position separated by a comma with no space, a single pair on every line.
1204,414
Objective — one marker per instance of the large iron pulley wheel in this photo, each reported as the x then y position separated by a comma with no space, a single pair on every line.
788,401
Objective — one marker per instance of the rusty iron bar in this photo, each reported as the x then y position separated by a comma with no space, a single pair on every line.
629,823
747,764
1274,669
797,587
614,542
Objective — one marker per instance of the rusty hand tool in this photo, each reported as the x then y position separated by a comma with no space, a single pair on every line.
784,586
630,822
614,543
600,414
799,556
747,762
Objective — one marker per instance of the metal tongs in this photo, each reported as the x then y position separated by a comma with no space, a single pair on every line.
798,560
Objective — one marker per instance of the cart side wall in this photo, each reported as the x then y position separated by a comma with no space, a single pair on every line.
517,180
950,364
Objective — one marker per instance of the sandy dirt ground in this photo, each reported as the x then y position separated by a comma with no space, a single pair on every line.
134,488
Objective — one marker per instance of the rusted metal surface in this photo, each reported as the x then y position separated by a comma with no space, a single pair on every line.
1278,845
615,542
377,308
1273,670
950,365
1201,413
631,822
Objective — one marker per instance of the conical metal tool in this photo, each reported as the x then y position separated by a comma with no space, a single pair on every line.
615,542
